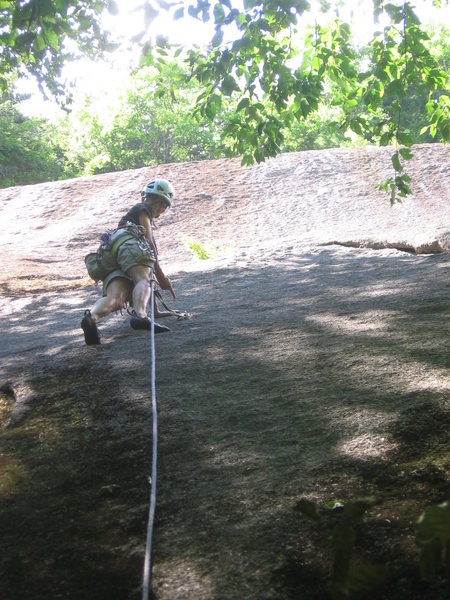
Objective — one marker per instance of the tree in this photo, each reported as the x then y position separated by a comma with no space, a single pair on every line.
34,36
152,123
276,83
263,77
31,150
411,113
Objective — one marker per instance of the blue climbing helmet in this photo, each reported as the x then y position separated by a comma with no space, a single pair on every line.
161,188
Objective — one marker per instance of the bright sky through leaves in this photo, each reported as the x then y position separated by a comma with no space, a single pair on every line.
90,78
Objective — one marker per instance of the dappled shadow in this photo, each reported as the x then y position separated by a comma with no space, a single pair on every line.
311,376
297,387
75,454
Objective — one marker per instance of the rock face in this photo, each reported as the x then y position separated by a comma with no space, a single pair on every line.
295,200
315,366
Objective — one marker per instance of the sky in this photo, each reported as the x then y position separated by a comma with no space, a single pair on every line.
94,77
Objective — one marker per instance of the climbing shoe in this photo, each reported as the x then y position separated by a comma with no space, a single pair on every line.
145,323
89,327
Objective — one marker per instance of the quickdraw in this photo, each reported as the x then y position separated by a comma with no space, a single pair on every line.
135,229
176,313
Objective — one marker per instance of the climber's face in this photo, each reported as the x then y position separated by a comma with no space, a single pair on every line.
158,207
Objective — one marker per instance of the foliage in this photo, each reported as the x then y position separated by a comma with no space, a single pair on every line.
197,249
320,129
346,579
433,540
275,84
432,537
30,149
270,95
34,36
152,123
401,61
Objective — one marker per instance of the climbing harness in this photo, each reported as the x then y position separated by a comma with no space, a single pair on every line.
129,231
147,571
102,262
115,245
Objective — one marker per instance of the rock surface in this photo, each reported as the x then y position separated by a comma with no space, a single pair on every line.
315,366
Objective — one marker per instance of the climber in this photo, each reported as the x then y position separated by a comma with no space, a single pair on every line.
127,256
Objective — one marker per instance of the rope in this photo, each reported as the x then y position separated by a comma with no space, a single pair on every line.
147,576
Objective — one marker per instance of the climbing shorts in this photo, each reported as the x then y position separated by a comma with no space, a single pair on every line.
123,252
130,253
134,252
113,275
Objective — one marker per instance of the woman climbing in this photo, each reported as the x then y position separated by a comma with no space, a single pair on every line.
129,255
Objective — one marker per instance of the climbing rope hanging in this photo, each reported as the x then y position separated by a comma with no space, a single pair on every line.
147,574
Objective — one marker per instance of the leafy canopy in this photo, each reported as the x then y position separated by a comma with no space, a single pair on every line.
263,73
278,74
151,122
30,148
34,36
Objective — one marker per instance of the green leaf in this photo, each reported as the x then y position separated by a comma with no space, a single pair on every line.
430,560
244,103
434,523
229,85
217,39
219,13
39,43
335,504
178,14
351,103
396,162
46,7
385,185
52,38
342,543
308,508
213,105
432,537
406,153
356,508
401,181
386,138
393,197
367,578
395,88
193,11
315,63
404,138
